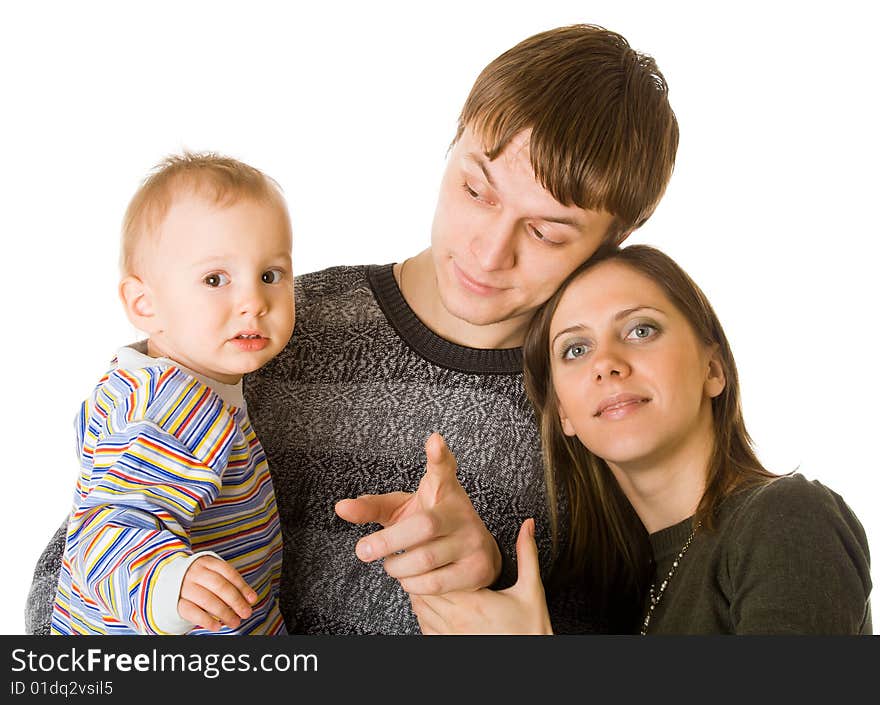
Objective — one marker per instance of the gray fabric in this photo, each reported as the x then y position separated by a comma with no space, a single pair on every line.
41,596
789,557
345,410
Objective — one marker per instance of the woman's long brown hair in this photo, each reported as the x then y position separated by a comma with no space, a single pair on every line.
601,536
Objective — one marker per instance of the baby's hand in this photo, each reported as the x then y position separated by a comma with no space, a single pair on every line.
214,595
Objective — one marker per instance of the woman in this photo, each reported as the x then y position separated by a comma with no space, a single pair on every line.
638,402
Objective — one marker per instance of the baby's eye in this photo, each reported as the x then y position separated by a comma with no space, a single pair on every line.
216,279
271,276
642,331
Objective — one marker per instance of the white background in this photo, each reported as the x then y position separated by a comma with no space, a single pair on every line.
772,207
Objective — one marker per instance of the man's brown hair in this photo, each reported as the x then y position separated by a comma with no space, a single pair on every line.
603,135
220,180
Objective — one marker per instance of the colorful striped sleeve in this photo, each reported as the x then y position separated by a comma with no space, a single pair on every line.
154,454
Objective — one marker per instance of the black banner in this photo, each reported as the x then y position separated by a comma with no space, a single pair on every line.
394,669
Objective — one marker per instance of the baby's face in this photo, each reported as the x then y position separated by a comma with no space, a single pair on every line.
221,285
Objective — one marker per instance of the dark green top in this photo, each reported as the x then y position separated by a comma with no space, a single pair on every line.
789,557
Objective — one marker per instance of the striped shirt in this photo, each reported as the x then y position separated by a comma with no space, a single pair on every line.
169,468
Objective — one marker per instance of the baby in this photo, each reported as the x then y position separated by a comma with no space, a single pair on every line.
174,527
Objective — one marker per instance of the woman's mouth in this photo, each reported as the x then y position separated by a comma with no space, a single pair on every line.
620,405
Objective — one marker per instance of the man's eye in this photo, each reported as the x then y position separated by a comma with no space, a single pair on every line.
470,192
271,276
216,279
540,237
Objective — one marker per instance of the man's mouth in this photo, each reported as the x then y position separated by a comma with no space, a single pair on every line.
473,285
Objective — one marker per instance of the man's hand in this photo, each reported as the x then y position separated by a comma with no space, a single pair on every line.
521,609
214,595
445,545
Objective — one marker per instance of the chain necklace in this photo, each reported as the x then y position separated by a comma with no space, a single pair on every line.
655,599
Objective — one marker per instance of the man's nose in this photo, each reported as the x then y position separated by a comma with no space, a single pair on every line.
494,246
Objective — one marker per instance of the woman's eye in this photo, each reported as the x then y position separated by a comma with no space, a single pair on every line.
642,331
216,279
574,351
271,276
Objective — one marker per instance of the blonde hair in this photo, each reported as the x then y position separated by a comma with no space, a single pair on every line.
219,179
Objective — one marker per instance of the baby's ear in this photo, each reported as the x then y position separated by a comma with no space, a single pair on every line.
138,302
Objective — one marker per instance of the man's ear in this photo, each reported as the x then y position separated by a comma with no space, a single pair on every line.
715,377
621,236
137,299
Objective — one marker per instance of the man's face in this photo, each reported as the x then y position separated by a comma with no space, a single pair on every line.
501,244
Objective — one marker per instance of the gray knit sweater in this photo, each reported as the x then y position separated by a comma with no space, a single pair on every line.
345,410
789,557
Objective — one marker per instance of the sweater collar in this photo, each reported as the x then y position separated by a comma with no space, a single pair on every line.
134,357
667,542
427,343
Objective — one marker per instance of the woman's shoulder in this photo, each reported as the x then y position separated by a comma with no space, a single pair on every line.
800,554
798,508
789,494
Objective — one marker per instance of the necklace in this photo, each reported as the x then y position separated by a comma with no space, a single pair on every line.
655,599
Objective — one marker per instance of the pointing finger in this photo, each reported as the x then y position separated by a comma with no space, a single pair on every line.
372,508
441,462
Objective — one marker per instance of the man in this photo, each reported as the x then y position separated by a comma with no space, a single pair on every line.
565,143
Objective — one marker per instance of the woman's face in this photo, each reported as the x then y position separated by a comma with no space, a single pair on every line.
633,382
